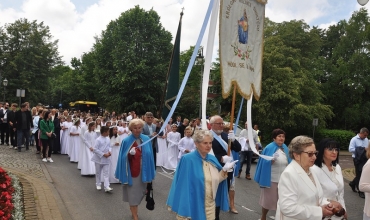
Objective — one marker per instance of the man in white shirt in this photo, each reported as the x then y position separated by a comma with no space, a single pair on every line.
361,142
246,152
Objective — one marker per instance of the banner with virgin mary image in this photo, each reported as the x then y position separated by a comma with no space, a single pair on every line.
241,46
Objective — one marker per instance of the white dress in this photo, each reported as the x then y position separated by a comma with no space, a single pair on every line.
97,130
186,143
75,143
121,130
65,137
82,144
88,166
173,139
162,150
114,158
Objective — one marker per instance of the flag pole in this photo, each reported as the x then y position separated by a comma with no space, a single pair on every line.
163,98
231,118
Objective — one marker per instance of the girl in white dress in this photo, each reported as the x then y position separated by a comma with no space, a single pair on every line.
123,130
186,144
75,133
115,144
162,146
173,138
88,166
84,127
98,126
65,135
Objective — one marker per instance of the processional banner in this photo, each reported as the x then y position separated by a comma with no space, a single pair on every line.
241,46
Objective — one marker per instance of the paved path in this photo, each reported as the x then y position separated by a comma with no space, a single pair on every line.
42,200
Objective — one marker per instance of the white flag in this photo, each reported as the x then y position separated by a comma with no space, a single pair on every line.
241,46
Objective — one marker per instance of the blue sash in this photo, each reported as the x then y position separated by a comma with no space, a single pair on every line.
219,139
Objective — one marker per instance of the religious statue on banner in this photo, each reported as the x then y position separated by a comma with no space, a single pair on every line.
243,28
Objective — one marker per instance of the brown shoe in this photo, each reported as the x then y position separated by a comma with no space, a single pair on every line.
239,174
248,177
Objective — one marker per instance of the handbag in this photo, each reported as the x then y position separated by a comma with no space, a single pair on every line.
149,197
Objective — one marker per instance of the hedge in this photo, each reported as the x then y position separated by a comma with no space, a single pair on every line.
341,136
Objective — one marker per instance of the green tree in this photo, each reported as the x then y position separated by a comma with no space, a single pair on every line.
346,82
28,53
291,96
131,60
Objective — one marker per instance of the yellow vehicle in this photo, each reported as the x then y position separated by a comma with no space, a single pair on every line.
84,106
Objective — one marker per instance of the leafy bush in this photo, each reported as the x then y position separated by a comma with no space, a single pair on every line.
343,137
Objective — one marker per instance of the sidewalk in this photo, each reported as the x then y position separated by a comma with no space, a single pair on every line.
41,200
349,173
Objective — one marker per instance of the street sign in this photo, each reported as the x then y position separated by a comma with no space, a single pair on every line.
315,122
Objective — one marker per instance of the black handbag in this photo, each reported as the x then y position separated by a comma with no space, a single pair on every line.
149,197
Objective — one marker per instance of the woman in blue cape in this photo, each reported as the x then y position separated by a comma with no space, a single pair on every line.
268,171
199,183
135,166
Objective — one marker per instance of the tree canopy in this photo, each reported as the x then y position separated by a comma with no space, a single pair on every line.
28,53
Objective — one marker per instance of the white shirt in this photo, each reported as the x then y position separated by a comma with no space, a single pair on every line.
186,143
245,144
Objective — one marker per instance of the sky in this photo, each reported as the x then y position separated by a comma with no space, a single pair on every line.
75,23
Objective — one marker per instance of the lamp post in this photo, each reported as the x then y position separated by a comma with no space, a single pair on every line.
200,60
362,2
5,83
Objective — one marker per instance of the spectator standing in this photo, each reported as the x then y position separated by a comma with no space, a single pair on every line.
47,137
35,130
357,148
5,125
23,120
57,128
12,127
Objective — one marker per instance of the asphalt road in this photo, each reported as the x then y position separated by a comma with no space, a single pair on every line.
84,202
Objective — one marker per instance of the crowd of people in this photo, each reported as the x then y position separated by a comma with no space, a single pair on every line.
299,181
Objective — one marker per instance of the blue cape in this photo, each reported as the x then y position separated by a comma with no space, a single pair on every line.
123,172
263,170
187,193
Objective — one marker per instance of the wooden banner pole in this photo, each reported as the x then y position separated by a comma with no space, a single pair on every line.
231,119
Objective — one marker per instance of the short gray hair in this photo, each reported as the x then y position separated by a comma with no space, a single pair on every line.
298,145
364,130
199,135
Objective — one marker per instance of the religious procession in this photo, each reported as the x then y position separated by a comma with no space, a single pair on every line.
202,157
127,149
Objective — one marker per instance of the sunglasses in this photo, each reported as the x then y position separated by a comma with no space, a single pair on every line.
332,149
310,154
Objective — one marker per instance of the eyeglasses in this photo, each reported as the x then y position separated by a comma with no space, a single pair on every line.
219,123
310,154
332,149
